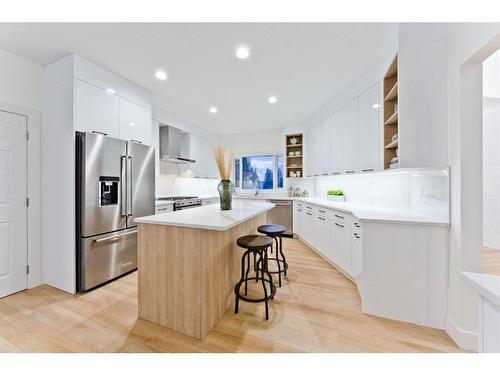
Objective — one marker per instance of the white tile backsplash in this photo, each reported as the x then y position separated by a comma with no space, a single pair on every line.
423,191
168,185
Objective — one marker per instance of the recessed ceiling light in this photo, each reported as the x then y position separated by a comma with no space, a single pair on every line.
213,109
272,99
133,124
110,91
375,106
161,75
242,52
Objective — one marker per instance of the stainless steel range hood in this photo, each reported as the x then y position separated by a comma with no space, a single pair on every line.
174,145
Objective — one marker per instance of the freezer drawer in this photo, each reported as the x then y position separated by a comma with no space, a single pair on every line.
107,256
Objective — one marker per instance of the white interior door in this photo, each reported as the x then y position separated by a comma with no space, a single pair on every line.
13,221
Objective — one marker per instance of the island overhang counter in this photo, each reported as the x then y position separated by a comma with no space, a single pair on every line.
188,263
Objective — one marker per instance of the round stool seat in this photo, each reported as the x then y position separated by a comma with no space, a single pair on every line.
271,229
254,242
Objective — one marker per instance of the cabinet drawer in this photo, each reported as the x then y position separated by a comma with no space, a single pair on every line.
324,212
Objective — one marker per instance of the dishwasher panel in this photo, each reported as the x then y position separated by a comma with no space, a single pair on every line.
281,214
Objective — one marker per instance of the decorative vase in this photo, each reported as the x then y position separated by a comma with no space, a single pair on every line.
226,190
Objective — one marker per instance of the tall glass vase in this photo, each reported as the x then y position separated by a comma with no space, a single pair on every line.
226,190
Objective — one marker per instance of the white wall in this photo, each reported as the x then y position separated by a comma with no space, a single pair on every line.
258,143
468,45
20,81
491,172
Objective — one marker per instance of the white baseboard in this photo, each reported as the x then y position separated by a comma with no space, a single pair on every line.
464,339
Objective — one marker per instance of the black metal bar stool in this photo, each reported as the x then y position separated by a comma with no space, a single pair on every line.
257,246
275,231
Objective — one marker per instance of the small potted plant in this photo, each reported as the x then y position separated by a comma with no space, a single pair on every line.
336,195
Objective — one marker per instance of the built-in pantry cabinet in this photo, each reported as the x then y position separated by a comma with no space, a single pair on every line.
79,96
348,140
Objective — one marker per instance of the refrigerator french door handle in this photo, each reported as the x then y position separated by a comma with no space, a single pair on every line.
129,186
123,185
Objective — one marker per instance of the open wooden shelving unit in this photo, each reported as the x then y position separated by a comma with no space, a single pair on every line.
391,115
294,163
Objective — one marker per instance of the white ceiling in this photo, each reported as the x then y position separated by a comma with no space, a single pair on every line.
302,64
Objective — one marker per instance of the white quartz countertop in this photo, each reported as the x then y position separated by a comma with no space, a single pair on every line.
376,214
486,285
361,211
209,217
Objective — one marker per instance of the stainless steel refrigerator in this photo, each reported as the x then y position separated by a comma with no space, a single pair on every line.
115,182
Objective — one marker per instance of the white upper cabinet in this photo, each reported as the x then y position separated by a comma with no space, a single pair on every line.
202,150
96,110
135,122
324,148
369,130
336,143
350,136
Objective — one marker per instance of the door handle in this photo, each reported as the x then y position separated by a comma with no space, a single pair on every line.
123,185
98,132
99,240
129,186
136,141
339,225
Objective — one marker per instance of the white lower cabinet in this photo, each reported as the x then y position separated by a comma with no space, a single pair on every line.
328,232
356,249
340,241
322,233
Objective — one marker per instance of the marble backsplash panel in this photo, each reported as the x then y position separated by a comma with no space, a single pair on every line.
423,191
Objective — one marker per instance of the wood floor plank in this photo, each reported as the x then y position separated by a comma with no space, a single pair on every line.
316,310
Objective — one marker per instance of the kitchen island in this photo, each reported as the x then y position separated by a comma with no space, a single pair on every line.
189,263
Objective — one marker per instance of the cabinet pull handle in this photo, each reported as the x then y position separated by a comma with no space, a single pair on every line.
368,170
325,174
310,214
349,171
321,211
98,132
136,141
321,218
356,235
299,210
335,173
339,225
340,217
309,175
356,225
316,175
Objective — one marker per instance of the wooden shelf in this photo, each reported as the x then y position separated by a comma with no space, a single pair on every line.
393,119
297,167
294,157
295,145
294,164
392,145
393,93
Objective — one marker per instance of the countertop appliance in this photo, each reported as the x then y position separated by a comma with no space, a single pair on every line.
115,182
182,202
282,214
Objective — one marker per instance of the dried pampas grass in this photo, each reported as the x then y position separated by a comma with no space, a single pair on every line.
224,161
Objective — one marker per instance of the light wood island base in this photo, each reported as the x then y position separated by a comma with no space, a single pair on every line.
187,276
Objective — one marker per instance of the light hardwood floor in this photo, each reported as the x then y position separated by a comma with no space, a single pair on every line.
316,310
491,261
